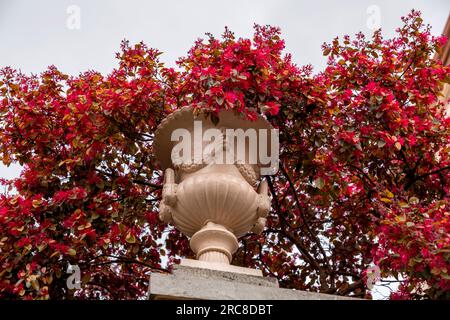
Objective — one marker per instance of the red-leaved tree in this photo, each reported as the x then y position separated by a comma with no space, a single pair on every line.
364,166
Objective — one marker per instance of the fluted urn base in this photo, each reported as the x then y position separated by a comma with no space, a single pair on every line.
214,243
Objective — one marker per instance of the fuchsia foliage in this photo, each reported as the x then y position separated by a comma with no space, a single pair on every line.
364,165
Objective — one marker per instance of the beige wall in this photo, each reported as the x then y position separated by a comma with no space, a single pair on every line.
445,57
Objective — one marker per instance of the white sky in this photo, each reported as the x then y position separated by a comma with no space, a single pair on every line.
34,34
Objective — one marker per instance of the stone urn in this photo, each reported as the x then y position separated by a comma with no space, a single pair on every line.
212,202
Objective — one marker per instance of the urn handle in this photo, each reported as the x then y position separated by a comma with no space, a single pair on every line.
263,200
169,192
263,207
169,196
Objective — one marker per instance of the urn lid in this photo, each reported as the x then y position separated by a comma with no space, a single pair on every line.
185,117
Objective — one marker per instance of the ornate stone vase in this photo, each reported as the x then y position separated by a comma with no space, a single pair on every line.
212,203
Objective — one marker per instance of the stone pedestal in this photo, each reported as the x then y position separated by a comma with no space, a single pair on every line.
200,280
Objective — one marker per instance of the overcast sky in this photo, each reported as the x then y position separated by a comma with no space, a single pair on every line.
36,34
